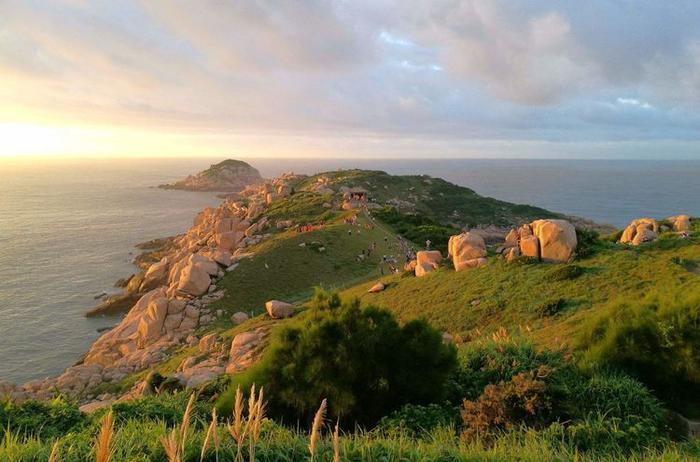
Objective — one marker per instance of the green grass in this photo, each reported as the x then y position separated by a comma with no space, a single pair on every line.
435,198
503,295
138,440
282,269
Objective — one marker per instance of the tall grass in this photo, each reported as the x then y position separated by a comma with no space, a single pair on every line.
104,449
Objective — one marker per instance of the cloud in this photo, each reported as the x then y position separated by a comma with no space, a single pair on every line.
453,70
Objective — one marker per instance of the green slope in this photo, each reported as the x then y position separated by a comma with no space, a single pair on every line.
435,198
546,303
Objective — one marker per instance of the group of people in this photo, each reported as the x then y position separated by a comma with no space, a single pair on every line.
310,227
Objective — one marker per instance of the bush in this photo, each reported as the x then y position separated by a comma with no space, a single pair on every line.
588,241
417,228
656,342
416,420
523,400
360,359
494,362
165,407
46,419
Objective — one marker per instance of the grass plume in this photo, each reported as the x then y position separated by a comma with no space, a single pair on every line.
103,443
316,427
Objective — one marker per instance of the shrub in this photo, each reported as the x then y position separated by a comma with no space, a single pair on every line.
655,341
416,227
415,419
523,400
165,407
360,359
588,241
46,419
489,363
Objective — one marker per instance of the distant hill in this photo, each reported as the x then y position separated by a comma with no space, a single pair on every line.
227,176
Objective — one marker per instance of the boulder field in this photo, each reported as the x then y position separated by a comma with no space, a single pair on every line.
642,230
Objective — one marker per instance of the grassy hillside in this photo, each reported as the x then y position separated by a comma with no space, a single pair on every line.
434,198
543,302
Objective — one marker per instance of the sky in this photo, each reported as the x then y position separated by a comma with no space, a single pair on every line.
365,78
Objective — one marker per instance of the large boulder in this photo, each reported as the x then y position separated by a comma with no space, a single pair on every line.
530,246
229,240
639,231
378,287
278,309
156,275
468,250
193,280
427,261
557,240
681,223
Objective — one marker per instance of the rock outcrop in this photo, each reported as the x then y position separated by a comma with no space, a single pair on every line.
427,261
468,250
640,231
681,223
550,240
227,176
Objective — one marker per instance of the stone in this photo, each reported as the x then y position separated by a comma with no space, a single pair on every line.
468,250
639,231
229,240
193,280
557,240
512,254
643,234
151,323
427,261
208,343
378,287
239,318
512,238
156,275
278,309
681,223
529,246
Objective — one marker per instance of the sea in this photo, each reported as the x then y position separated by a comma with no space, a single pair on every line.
68,227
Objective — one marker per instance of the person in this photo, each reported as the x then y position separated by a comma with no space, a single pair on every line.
349,232
427,244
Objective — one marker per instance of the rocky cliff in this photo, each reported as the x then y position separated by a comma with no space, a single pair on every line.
227,176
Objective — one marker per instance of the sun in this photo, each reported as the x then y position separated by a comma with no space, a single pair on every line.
23,139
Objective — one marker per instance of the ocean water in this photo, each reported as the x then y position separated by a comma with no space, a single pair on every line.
67,228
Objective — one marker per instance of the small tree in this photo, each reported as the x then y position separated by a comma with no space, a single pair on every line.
361,359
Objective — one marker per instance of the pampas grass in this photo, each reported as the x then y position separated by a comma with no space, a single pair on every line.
336,443
235,428
212,435
240,428
103,443
53,457
174,443
316,428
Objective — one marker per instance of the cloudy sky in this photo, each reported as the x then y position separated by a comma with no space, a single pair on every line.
442,78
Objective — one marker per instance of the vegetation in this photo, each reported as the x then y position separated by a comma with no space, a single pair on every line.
655,340
417,228
359,358
436,199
